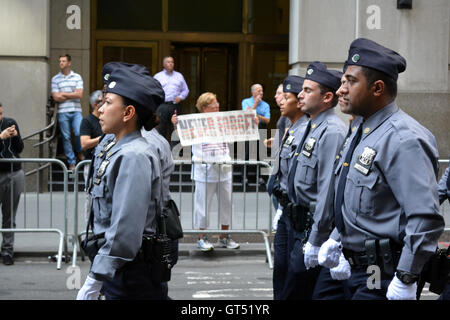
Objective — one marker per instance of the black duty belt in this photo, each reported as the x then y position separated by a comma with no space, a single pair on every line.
382,252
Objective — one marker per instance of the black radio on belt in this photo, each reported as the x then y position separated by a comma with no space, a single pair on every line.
300,217
281,196
157,254
436,271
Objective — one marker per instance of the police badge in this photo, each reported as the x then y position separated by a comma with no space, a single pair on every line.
365,160
288,141
308,147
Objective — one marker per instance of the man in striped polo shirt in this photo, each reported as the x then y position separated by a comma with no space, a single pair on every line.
67,90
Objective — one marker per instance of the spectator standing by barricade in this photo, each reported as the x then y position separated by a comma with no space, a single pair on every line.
11,182
211,179
255,102
262,108
90,130
90,135
176,90
67,90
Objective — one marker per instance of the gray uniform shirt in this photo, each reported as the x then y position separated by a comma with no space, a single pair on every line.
314,171
287,150
161,148
124,202
444,192
391,187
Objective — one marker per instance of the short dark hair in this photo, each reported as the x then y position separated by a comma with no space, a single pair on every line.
148,120
373,75
324,89
164,59
69,58
1,104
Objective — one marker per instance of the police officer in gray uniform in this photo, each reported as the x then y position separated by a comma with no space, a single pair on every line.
310,172
161,147
444,194
388,215
284,275
125,191
444,186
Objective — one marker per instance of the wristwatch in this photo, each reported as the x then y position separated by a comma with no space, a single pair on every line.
406,277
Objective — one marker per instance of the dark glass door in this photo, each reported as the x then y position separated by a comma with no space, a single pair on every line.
208,67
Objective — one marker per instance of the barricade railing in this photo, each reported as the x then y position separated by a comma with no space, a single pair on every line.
253,210
259,215
78,233
23,216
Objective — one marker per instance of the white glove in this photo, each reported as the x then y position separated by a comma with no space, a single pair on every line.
342,271
90,289
275,219
329,253
397,290
310,253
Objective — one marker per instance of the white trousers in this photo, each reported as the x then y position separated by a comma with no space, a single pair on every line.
204,192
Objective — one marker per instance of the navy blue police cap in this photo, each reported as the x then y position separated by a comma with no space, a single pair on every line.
293,84
367,53
319,73
337,74
140,88
110,66
344,68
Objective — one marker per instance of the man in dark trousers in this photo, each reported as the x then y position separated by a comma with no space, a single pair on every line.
11,182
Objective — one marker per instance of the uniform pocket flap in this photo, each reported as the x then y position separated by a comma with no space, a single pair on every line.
98,191
310,162
363,181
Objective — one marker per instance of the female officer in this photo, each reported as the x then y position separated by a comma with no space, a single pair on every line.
125,190
284,272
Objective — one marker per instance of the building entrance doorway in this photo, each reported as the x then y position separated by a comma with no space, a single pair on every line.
208,67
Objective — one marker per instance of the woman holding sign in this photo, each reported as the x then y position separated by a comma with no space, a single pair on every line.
211,179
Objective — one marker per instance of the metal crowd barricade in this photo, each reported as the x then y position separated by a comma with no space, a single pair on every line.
77,233
50,228
262,218
245,230
261,214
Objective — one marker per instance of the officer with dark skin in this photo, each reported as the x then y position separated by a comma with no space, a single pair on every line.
386,208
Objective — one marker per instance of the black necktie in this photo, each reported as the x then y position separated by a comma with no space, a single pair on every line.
338,219
291,175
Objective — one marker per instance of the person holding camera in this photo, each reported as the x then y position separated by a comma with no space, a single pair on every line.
12,180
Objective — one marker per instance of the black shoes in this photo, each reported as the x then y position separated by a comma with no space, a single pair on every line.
8,260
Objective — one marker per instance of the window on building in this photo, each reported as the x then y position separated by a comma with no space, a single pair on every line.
205,15
268,16
129,15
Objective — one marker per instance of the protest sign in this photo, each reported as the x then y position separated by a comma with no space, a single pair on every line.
214,127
